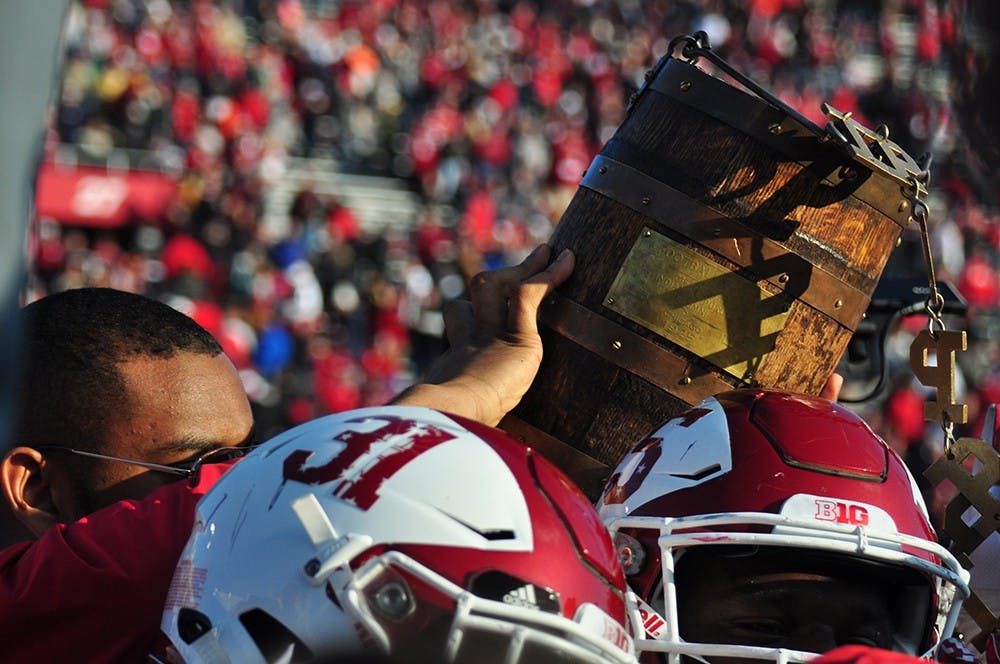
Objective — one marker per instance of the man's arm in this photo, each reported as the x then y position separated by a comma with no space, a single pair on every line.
495,349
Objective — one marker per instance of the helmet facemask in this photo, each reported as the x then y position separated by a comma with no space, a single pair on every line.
915,586
405,605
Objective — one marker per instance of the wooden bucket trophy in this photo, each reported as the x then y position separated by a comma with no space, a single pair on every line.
722,240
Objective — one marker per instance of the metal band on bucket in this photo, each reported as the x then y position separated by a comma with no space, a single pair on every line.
699,223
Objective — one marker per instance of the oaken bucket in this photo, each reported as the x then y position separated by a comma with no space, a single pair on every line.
722,240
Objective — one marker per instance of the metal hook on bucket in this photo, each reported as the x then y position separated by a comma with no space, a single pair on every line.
698,46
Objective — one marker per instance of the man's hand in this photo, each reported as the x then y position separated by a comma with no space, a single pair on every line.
494,349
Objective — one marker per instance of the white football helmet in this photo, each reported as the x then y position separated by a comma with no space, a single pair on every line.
403,532
754,472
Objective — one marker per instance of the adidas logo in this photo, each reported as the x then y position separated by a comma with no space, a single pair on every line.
523,597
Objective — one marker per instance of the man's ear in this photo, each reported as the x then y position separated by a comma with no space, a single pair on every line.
33,489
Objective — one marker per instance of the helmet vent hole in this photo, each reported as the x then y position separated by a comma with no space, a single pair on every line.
700,474
192,625
275,641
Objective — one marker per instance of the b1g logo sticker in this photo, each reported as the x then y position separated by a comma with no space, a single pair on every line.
402,440
840,512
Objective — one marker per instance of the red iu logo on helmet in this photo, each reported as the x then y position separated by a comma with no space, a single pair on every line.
361,485
839,512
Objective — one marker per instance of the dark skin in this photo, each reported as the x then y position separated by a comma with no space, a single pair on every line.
178,409
745,600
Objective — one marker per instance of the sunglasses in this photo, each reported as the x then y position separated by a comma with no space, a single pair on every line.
187,468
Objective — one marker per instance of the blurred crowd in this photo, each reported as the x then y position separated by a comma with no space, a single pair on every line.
489,110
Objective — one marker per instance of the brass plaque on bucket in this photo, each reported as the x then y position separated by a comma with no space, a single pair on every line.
698,304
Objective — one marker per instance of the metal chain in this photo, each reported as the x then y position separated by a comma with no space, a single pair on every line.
934,306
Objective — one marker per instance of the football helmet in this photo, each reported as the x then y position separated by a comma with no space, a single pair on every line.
749,470
397,531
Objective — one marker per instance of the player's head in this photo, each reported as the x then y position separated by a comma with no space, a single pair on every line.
119,374
399,531
762,520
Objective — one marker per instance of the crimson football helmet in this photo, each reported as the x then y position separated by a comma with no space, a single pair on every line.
754,472
402,533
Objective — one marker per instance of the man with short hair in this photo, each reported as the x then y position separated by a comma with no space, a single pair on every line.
116,374
123,395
